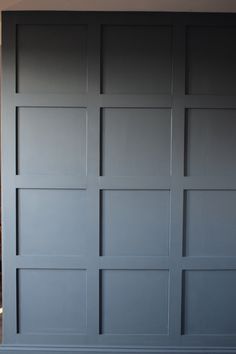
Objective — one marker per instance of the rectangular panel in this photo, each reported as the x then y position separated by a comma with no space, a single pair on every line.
210,223
137,59
136,142
51,141
211,60
52,222
51,301
211,143
209,302
135,223
51,58
134,302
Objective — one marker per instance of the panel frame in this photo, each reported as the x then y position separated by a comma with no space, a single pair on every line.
94,183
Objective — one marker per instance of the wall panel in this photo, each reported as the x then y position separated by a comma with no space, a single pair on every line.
58,64
118,183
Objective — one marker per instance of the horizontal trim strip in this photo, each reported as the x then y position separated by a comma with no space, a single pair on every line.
83,262
50,100
51,262
210,101
51,181
121,17
10,349
132,262
125,101
208,263
124,262
209,183
84,17
135,183
131,183
103,100
148,101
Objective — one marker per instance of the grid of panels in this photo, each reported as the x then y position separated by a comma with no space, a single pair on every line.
164,186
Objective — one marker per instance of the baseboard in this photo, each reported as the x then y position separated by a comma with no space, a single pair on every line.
8,349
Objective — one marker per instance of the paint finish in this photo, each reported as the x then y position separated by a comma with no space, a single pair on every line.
119,182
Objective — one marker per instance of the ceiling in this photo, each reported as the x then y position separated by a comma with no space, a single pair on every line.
121,5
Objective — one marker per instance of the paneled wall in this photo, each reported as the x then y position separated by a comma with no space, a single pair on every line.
119,191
